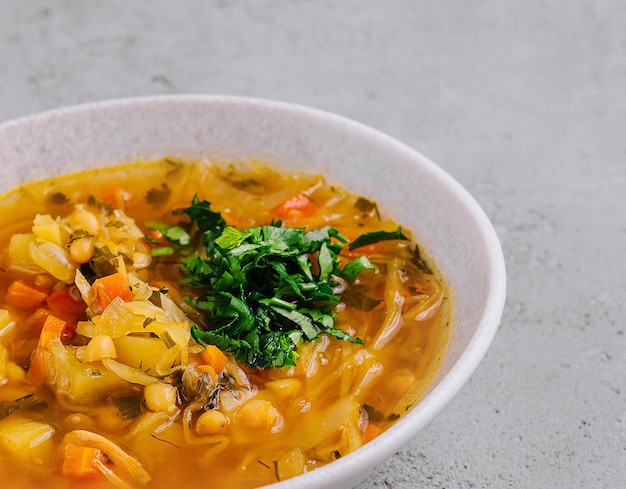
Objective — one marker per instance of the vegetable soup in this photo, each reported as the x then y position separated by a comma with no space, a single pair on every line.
193,324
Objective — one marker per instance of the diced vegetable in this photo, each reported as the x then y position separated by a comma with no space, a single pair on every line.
297,206
371,432
140,351
124,462
82,384
67,301
52,329
56,364
160,397
100,347
53,259
24,294
214,357
80,462
45,227
111,286
291,464
26,439
116,320
19,255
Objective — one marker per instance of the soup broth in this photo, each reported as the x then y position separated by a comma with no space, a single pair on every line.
102,384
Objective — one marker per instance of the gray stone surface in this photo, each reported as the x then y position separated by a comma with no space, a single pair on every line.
522,101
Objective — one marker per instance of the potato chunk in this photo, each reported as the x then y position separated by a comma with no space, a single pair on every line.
26,439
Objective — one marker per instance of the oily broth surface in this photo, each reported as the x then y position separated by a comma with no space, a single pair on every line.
326,402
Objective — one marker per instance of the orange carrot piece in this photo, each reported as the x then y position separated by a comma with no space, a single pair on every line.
35,321
108,288
53,328
297,206
214,357
371,432
80,462
25,295
37,371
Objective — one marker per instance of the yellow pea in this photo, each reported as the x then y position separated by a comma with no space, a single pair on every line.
212,422
258,414
85,220
82,250
160,397
100,347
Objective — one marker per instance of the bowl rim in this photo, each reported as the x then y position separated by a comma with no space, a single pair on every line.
344,470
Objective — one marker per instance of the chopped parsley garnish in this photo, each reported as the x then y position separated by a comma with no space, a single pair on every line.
267,289
175,235
57,198
375,415
366,206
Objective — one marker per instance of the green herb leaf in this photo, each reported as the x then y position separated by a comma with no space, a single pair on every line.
201,213
57,198
352,269
162,251
375,415
366,206
376,237
158,195
178,238
103,262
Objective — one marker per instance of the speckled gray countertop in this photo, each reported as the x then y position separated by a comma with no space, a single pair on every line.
524,102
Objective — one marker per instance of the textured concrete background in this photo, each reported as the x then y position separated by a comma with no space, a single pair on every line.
522,101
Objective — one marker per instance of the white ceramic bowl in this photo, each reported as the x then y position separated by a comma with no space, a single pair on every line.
446,220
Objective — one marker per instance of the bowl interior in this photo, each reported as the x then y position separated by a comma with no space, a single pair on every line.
445,219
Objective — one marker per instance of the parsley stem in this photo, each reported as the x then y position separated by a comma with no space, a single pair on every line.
276,301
